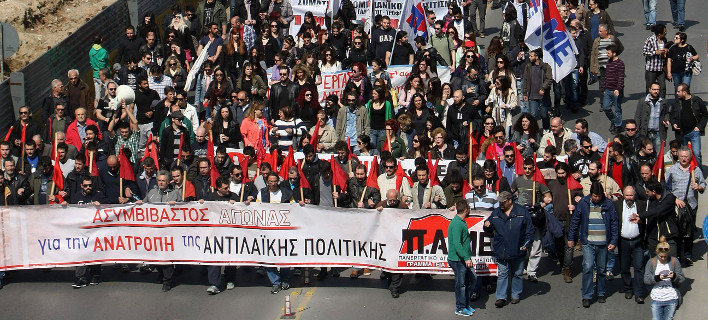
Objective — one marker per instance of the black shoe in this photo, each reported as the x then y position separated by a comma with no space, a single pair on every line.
124,268
639,300
322,275
95,281
628,295
533,278
686,263
515,300
601,299
500,303
335,273
648,27
474,296
275,289
586,303
284,285
682,28
80,283
145,269
395,294
166,287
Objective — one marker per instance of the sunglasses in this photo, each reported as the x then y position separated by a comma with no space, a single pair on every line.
469,56
416,140
489,124
308,95
357,42
630,129
86,185
24,112
390,167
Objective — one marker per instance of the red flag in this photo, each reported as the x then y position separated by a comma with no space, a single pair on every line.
465,187
500,174
572,183
289,162
491,152
152,145
386,145
58,177
181,143
272,158
316,135
400,174
339,177
244,168
9,132
214,171
659,163
260,152
538,176
53,153
92,164
126,169
147,148
24,133
349,151
603,159
433,169
189,190
214,174
694,161
519,160
304,183
475,147
372,179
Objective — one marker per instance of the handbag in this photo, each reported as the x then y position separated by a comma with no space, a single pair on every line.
685,217
696,67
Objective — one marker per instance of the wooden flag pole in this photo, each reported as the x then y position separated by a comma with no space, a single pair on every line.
120,185
569,199
22,157
469,151
334,189
90,162
184,185
607,167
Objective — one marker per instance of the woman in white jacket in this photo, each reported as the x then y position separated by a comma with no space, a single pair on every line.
501,101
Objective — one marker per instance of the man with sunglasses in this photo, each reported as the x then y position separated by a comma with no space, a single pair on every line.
581,159
282,93
387,180
188,110
582,129
444,45
89,195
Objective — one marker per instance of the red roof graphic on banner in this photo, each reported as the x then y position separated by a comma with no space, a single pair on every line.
431,223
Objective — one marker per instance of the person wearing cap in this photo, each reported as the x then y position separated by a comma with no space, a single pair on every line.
513,232
171,138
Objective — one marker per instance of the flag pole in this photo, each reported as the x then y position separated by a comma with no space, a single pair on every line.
120,192
607,167
469,150
533,184
90,162
184,184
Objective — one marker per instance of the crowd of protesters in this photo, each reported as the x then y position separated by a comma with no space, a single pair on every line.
613,198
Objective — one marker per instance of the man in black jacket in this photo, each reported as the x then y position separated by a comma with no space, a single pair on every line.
129,45
88,195
660,218
382,39
687,128
282,93
583,41
631,244
312,169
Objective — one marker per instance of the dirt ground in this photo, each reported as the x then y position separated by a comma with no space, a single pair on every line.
33,19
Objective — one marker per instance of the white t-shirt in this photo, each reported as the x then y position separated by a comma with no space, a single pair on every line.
664,289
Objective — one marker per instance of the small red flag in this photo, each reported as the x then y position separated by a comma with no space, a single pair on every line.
433,169
214,174
349,151
694,161
500,174
126,169
24,133
93,170
372,179
304,183
189,190
316,135
491,152
58,177
465,187
538,176
659,163
9,133
519,160
181,143
260,152
386,145
475,147
289,162
400,174
244,168
572,183
339,177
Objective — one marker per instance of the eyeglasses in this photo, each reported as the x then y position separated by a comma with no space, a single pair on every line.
489,123
390,167
148,58
359,142
438,28
240,100
87,185
111,89
528,168
308,94
283,74
587,146
234,97
499,137
179,99
24,112
73,78
328,54
509,155
500,61
469,56
631,129
357,42
416,140
274,26
219,75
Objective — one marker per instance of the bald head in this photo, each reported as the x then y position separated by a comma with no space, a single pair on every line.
112,161
392,194
557,126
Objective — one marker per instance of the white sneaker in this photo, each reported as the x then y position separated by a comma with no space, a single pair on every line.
213,290
230,285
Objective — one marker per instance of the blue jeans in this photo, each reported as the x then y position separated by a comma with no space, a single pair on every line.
464,283
214,275
681,77
650,11
663,310
516,266
594,257
375,135
632,255
655,138
678,11
609,99
695,138
539,109
571,83
523,104
610,261
277,277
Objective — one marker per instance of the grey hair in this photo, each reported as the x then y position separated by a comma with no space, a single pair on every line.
56,83
68,73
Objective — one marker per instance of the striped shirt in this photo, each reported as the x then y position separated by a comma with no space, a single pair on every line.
602,50
285,138
614,75
653,61
597,234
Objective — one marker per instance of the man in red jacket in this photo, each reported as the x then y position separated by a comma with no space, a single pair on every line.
76,131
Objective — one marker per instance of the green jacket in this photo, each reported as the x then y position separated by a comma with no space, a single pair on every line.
185,122
98,58
398,147
458,240
387,106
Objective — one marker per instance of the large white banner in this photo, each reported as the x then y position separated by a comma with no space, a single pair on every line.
335,82
219,233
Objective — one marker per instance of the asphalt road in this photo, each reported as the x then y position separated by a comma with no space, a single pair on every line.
36,294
